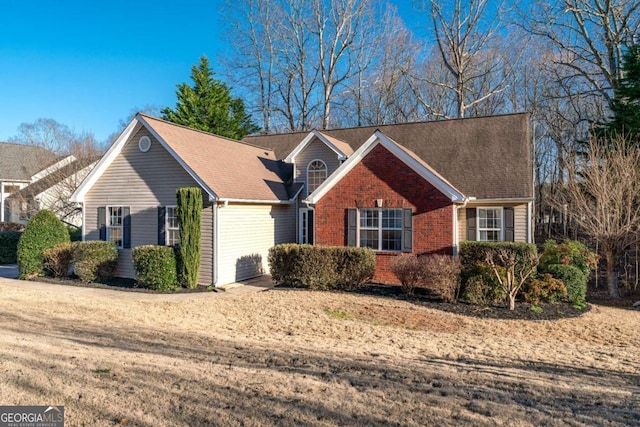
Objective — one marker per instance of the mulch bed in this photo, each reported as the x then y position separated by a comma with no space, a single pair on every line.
523,311
120,284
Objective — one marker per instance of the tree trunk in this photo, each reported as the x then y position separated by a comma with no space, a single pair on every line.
512,301
612,274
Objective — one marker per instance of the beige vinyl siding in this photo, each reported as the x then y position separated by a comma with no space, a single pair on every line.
143,182
520,220
316,150
246,232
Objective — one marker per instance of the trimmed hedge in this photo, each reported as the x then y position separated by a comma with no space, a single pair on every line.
95,260
57,260
321,267
9,246
44,231
156,267
479,283
480,286
574,280
472,253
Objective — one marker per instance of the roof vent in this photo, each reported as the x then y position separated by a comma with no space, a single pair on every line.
144,144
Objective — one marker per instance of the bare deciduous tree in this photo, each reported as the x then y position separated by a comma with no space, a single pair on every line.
602,193
512,269
588,37
465,33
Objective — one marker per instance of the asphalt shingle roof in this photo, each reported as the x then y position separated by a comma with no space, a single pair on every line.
483,157
232,169
20,162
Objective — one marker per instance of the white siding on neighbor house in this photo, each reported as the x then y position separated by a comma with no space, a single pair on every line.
245,233
144,182
316,150
520,220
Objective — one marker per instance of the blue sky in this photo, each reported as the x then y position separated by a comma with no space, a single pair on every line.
87,64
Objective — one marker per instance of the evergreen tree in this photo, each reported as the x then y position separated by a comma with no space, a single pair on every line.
209,106
626,102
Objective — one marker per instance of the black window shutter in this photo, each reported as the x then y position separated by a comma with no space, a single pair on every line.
162,232
102,222
509,225
126,239
352,227
471,224
407,230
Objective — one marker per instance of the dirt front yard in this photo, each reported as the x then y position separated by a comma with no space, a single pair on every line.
294,358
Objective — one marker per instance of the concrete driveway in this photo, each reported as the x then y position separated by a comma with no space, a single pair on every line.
9,271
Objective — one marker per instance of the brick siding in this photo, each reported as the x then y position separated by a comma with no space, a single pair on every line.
381,175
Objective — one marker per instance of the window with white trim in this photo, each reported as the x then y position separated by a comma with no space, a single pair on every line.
490,224
115,225
316,175
381,229
171,226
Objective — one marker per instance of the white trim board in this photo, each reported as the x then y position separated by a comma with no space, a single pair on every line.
307,140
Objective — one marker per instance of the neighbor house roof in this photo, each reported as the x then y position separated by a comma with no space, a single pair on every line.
19,162
225,168
483,157
55,177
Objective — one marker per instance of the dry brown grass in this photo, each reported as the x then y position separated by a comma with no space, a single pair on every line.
286,357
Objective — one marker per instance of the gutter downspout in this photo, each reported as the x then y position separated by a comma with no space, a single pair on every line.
216,245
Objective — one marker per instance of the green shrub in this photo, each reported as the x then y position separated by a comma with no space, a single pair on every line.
480,286
75,233
409,270
95,260
189,213
321,267
569,252
545,289
574,280
155,267
9,246
472,252
354,266
56,260
442,276
44,231
11,226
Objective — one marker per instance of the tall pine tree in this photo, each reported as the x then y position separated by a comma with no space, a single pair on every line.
626,101
209,106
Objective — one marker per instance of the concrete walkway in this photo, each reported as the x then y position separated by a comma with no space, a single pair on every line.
8,273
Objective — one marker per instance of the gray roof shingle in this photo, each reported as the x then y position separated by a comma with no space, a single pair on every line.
20,162
483,157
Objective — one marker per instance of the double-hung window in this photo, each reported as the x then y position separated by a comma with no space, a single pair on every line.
171,226
381,229
115,225
490,224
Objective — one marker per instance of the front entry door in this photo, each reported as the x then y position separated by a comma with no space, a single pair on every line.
306,226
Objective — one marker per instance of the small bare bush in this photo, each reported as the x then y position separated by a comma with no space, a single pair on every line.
442,276
409,270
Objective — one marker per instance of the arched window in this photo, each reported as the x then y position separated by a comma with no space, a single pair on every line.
316,174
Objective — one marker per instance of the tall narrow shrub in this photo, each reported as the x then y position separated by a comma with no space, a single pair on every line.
189,212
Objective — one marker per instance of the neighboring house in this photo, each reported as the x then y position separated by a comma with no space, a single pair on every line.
20,165
417,188
51,191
